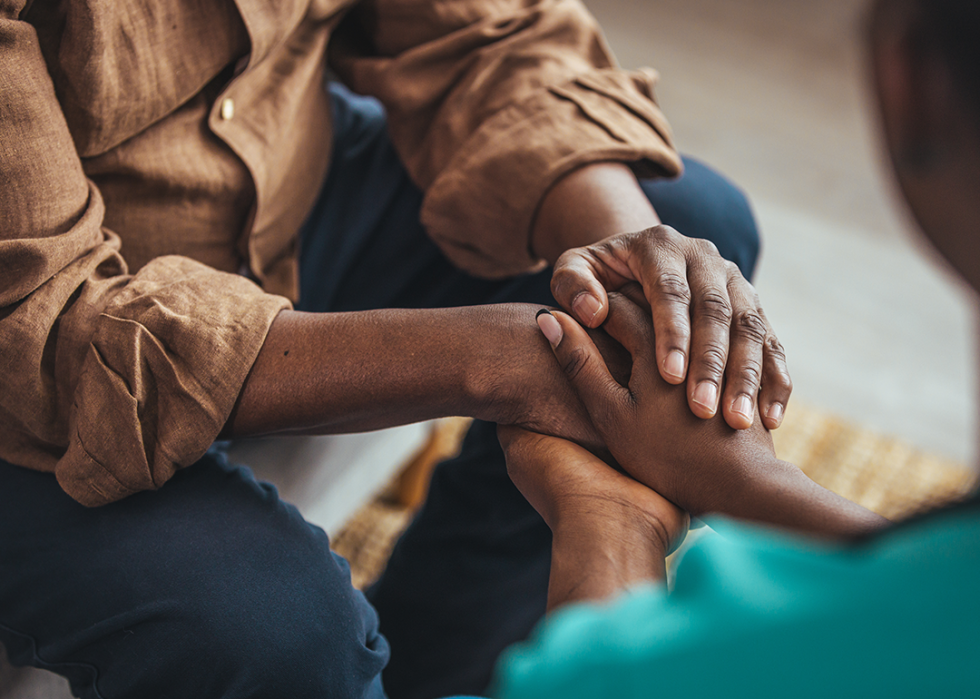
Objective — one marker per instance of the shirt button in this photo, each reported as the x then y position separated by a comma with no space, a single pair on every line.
227,108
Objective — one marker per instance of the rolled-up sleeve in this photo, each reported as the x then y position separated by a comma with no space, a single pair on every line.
109,380
490,103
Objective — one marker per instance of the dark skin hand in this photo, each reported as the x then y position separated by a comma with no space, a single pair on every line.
609,531
703,466
342,372
600,232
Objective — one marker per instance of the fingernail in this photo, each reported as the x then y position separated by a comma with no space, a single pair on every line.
775,412
743,406
586,306
674,364
549,326
706,395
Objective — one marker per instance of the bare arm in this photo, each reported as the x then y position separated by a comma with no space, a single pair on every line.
344,372
610,532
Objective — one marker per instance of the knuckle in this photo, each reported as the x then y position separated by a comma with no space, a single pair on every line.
750,325
666,234
707,248
750,375
562,279
786,381
616,298
664,239
561,275
623,240
778,388
575,362
712,359
674,287
715,306
775,349
566,258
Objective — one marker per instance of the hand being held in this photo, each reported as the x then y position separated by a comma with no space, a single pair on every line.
698,464
573,489
710,328
529,387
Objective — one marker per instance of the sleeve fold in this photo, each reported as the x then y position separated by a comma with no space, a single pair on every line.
490,103
165,363
110,381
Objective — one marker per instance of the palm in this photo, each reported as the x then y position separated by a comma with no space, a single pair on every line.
561,479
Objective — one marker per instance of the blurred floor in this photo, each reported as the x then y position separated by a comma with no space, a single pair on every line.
773,93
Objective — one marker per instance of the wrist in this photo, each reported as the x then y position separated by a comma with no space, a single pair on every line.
587,205
633,537
786,497
506,342
617,525
599,559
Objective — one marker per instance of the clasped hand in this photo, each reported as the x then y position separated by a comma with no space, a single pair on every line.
710,328
697,464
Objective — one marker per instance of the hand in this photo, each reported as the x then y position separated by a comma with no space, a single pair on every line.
571,487
710,327
610,532
701,465
698,464
521,384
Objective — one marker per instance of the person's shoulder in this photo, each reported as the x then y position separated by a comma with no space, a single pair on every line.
884,614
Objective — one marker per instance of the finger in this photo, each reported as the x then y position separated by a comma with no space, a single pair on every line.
604,399
743,374
634,292
512,435
776,382
532,445
630,326
579,283
660,266
711,317
523,448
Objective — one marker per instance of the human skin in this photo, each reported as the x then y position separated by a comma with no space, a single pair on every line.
704,466
609,531
323,373
711,328
348,372
929,126
613,530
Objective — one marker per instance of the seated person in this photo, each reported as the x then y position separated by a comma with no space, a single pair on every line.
200,238
815,596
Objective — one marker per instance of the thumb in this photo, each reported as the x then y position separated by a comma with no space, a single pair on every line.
603,397
579,282
509,435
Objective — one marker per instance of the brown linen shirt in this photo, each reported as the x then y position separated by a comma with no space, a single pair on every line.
148,150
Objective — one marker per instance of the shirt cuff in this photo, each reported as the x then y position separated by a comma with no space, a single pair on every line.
160,377
481,207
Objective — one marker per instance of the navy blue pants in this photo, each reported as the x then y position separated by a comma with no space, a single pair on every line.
213,587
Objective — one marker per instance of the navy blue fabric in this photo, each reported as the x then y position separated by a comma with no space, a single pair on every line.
213,587
209,587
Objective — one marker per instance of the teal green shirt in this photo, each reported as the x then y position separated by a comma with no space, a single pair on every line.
755,613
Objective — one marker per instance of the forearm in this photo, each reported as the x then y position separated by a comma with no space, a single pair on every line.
781,494
587,205
347,372
593,563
